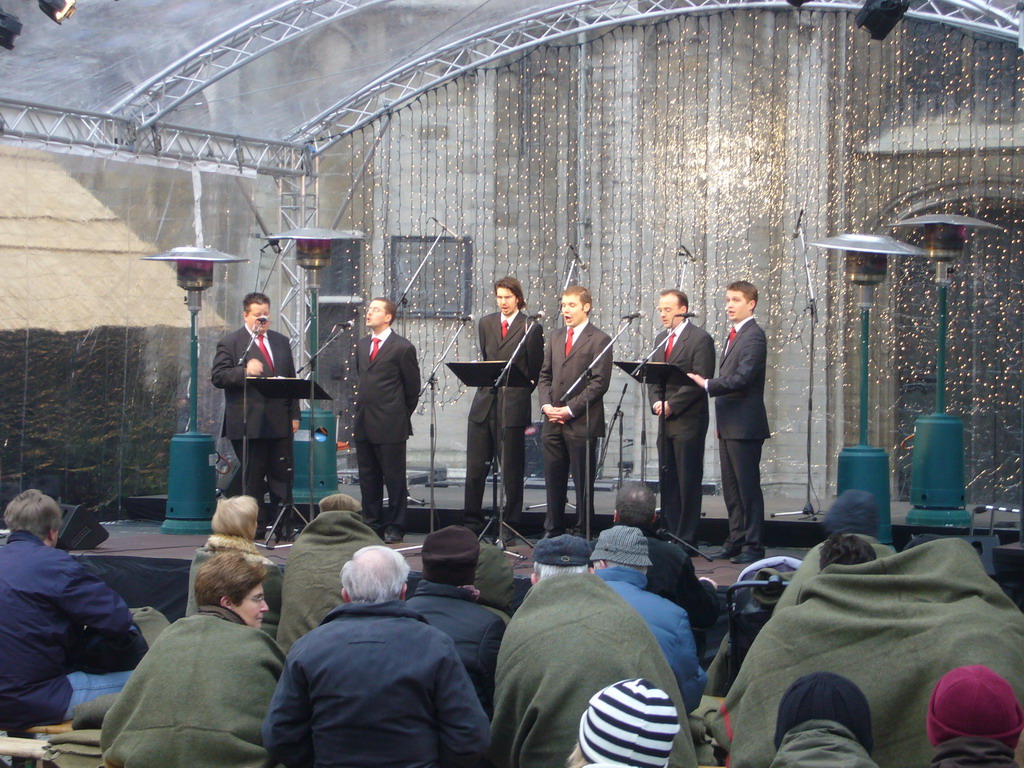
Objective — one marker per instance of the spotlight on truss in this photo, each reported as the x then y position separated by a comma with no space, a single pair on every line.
880,16
10,28
58,10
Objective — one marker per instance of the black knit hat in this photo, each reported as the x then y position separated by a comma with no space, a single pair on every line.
853,512
825,696
450,555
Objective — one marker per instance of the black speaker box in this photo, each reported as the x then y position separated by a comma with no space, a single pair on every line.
80,529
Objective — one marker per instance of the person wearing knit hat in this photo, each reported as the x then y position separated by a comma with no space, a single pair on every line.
621,561
823,720
853,511
974,718
630,723
447,599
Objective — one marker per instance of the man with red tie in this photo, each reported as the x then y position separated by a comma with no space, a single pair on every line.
573,415
386,396
256,351
742,423
683,415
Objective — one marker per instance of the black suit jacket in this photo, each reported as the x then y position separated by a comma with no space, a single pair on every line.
739,387
516,406
388,390
559,372
267,418
693,352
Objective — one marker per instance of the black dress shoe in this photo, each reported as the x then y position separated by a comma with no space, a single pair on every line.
724,553
750,556
393,535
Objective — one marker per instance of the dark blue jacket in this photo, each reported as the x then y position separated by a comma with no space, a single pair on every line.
670,626
46,601
375,686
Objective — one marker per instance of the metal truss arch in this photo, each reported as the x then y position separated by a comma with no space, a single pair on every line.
588,17
226,53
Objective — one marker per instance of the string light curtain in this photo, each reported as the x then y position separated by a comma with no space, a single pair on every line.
708,135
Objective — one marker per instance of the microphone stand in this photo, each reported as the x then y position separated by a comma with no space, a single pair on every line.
643,419
587,375
616,417
683,543
245,415
403,299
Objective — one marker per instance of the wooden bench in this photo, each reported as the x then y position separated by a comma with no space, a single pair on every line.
23,749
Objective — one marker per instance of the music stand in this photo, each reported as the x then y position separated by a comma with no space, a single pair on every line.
488,373
293,389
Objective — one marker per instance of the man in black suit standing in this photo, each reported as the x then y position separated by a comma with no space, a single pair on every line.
269,423
742,423
572,420
683,415
387,393
500,335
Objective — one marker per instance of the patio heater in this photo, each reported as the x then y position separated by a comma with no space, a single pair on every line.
937,465
863,466
192,476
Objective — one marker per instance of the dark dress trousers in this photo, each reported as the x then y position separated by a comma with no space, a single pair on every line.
266,421
388,390
566,445
512,406
742,425
681,435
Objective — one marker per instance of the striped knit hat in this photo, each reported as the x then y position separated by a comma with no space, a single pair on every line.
630,723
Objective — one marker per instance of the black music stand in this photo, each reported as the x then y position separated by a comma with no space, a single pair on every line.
294,389
488,373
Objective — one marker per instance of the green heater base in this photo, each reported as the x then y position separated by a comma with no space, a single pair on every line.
937,473
864,468
325,457
191,484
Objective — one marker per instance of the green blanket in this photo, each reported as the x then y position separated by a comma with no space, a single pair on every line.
312,578
571,637
894,626
197,699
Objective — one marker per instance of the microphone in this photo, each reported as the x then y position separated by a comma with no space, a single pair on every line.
799,225
465,318
538,317
262,320
633,316
686,314
442,226
346,326
576,257
684,251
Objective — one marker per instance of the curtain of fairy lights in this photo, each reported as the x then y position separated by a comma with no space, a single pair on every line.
682,155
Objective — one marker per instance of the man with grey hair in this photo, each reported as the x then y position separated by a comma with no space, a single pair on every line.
621,562
374,684
67,637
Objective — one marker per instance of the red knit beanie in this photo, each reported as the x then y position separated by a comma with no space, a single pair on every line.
974,701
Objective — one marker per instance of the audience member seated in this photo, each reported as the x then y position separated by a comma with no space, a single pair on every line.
495,580
824,721
447,599
974,719
631,723
310,588
893,626
375,685
65,636
671,574
854,512
845,549
621,561
234,529
199,698
569,638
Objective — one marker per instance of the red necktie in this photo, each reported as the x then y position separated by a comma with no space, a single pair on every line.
376,348
504,328
568,341
732,338
668,347
266,354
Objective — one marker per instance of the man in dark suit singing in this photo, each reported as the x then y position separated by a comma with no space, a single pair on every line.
682,412
387,393
571,429
742,423
500,335
256,351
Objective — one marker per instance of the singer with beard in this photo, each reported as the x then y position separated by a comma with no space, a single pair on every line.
685,409
500,334
255,350
568,433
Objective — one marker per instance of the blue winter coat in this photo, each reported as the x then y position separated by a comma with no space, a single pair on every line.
670,626
46,601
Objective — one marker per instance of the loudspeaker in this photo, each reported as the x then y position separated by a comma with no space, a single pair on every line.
80,529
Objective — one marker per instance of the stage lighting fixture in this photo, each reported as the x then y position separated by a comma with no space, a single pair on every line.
880,16
58,10
10,28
